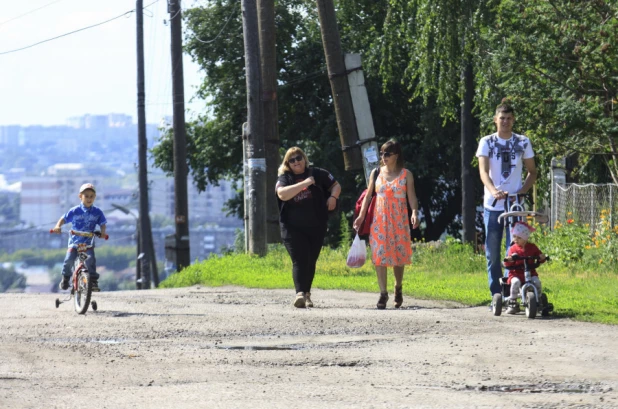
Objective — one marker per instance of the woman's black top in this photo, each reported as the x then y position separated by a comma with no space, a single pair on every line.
308,208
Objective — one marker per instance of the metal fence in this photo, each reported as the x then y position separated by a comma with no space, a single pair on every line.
585,203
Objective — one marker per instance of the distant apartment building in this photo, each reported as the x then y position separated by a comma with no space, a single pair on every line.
11,136
115,196
45,198
100,121
204,208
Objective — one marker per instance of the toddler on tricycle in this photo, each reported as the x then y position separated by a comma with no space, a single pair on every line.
522,283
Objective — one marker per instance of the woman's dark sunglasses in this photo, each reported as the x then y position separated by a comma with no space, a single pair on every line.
386,154
295,159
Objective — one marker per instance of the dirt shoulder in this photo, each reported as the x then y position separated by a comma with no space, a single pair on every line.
231,347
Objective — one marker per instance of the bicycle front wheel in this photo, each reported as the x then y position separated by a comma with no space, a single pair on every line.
83,293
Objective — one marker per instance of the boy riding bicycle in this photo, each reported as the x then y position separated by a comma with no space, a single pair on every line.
84,218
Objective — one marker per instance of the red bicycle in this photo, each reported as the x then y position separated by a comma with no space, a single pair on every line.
81,285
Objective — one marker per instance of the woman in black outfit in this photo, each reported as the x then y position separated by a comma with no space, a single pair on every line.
306,195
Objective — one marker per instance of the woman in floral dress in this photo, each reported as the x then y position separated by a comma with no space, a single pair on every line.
390,230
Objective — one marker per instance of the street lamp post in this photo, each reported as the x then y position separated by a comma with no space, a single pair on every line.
138,267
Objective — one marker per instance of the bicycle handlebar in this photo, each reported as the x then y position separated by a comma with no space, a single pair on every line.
516,257
84,234
518,195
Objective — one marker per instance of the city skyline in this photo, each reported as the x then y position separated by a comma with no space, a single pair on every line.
91,71
79,121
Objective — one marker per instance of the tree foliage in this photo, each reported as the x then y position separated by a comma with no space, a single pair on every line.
437,38
114,258
558,61
9,210
306,114
11,280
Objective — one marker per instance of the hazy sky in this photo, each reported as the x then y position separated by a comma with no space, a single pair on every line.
89,72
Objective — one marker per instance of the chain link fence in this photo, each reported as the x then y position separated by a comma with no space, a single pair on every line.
585,203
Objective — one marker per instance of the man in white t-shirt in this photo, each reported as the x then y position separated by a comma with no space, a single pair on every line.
501,156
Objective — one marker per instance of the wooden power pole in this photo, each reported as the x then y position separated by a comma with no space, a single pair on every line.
468,205
147,259
180,139
268,57
338,77
256,160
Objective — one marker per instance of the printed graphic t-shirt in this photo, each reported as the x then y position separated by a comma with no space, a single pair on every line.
505,164
83,219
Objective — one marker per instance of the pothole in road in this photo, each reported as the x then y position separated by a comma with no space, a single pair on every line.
541,388
110,341
295,343
258,347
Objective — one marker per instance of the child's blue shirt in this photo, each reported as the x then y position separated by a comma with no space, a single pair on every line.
83,219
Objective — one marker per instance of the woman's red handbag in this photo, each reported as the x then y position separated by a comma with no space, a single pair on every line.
365,228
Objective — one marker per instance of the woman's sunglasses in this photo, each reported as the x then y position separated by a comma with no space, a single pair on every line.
386,154
295,159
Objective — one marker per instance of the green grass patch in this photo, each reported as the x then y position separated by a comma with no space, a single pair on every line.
449,272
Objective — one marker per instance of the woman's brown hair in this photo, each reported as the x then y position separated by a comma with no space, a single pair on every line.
393,147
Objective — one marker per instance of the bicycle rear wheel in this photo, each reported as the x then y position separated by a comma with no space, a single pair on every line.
83,293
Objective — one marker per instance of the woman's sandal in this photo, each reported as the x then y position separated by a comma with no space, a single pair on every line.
382,301
398,297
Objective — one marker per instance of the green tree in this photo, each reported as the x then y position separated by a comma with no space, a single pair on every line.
306,114
439,39
558,61
9,210
11,280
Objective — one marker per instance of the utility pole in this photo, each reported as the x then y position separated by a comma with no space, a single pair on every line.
468,205
145,233
268,57
256,161
181,206
362,114
338,77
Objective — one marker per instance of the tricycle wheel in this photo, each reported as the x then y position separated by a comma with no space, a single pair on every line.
93,304
531,305
496,305
57,302
545,310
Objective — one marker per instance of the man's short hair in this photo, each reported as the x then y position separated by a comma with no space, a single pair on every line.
505,108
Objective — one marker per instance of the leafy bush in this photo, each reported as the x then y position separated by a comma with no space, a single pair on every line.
593,248
114,258
10,280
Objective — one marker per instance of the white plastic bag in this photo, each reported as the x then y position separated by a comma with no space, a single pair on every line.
357,254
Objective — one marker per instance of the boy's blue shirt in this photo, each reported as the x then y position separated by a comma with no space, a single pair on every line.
83,219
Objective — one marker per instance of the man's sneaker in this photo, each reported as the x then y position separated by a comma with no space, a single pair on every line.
64,284
95,286
308,302
299,302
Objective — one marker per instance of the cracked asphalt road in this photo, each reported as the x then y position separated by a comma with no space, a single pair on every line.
231,347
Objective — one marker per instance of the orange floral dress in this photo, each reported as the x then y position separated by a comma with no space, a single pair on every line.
390,228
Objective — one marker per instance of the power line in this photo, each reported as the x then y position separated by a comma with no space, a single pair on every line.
75,31
220,31
66,34
29,12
